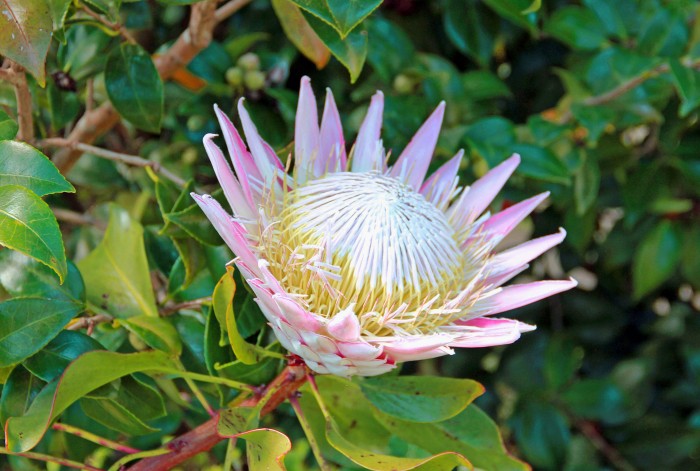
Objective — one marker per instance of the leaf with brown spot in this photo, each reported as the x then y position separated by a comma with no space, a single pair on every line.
25,34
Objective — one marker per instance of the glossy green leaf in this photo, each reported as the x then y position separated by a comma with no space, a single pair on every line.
58,9
134,87
25,34
656,258
515,11
542,433
586,184
23,165
222,301
687,82
85,374
350,51
27,324
349,432
49,362
472,28
562,360
599,399
265,448
342,15
578,27
28,225
24,276
18,392
420,398
540,163
8,126
124,406
155,332
116,272
471,433
664,34
300,33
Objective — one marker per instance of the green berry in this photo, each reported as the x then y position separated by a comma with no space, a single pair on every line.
189,156
234,76
254,80
404,84
195,122
249,61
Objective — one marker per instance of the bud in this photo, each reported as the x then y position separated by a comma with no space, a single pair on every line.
404,84
254,80
234,76
249,61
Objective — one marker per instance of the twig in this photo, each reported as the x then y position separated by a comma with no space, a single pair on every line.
168,310
229,9
634,83
50,459
205,436
132,160
16,76
94,438
89,322
196,37
615,458
119,28
73,217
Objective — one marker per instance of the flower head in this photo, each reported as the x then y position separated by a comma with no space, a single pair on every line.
358,266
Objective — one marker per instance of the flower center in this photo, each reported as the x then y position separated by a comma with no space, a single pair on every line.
362,239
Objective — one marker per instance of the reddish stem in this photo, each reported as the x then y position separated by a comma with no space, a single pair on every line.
204,437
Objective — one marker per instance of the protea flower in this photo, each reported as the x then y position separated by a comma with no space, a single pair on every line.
358,266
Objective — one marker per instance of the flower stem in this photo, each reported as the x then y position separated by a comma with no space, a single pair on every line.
323,464
204,437
50,459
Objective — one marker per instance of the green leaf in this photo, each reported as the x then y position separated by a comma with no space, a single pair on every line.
116,272
586,184
472,28
420,398
28,225
8,126
85,374
23,165
578,27
156,332
25,34
124,406
342,15
599,399
540,163
471,433
24,276
265,448
392,50
27,324
49,362
515,11
350,51
656,258
664,34
562,359
300,33
222,301
687,82
18,392
134,87
542,434
59,9
484,85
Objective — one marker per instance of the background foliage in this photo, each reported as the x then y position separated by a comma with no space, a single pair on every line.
600,99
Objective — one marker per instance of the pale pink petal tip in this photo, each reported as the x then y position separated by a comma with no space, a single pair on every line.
306,132
515,296
489,332
413,162
365,156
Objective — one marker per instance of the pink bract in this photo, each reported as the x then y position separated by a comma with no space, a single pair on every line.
358,266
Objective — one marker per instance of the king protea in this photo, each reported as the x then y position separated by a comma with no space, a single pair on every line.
358,266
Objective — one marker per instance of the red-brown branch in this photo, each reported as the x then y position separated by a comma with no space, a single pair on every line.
197,36
204,437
